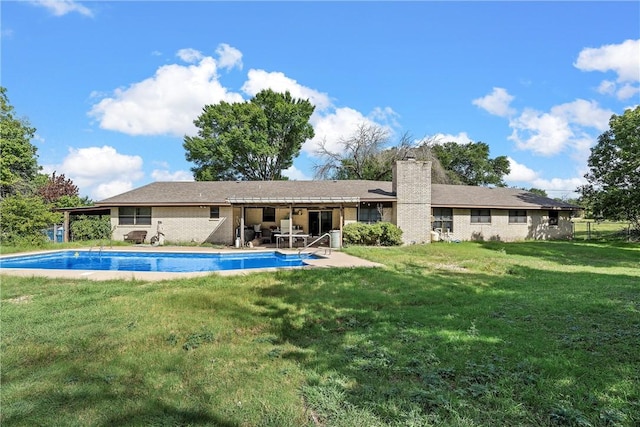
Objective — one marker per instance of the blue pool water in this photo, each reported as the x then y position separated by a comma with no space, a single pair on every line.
154,261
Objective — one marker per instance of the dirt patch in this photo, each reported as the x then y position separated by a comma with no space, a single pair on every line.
23,299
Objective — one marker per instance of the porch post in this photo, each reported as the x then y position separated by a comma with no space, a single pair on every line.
290,226
341,222
242,225
66,227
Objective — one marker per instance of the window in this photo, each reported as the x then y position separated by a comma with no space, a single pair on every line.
517,216
214,212
481,216
134,216
553,217
369,214
442,219
268,214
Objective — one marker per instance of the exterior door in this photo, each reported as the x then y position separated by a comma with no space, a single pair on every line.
320,222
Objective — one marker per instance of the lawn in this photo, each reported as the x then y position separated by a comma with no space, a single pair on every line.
589,229
470,334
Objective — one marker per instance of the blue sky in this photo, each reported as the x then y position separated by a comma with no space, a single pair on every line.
112,87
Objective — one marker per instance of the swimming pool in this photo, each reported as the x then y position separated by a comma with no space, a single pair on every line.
173,262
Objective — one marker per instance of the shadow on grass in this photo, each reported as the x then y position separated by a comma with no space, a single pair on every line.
517,349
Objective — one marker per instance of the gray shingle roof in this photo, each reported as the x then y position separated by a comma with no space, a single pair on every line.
273,192
466,196
225,192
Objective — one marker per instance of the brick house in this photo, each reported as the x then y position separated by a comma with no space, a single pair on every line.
223,211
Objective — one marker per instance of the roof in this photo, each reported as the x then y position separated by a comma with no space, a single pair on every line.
252,192
297,192
467,196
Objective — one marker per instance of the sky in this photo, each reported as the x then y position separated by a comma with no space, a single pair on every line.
113,87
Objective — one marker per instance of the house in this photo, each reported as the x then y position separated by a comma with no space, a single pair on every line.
223,211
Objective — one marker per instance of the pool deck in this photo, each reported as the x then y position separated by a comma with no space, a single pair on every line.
326,258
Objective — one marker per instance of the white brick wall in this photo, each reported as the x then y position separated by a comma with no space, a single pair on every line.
182,224
500,229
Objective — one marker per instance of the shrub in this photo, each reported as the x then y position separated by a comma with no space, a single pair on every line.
353,233
378,234
90,228
24,219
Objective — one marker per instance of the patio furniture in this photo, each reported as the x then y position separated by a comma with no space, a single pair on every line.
136,236
296,237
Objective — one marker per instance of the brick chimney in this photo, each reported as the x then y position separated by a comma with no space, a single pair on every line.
412,187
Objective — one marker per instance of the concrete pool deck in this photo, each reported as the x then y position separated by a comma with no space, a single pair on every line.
326,259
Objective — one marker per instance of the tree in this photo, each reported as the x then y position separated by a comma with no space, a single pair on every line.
18,162
365,155
538,191
470,164
254,140
57,187
613,189
24,218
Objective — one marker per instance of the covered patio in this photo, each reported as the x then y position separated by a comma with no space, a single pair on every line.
291,221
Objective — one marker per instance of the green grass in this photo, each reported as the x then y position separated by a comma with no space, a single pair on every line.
471,334
589,229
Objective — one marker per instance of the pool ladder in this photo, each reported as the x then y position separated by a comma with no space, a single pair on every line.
318,249
100,248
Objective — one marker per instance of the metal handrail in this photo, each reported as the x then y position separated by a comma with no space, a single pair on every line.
316,241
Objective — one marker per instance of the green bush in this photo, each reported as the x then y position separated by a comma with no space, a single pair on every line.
378,234
90,228
25,219
354,233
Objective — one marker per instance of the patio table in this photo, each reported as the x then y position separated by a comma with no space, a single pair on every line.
296,236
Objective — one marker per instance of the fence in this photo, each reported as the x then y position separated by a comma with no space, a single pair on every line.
600,230
55,233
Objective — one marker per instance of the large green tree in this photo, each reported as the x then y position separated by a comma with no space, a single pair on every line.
470,163
18,160
24,217
365,154
613,189
253,140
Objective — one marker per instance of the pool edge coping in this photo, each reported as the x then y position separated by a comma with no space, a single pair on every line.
333,259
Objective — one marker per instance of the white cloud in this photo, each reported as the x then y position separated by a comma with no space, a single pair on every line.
229,57
330,124
441,138
622,59
519,172
166,175
607,87
559,185
331,128
523,176
112,188
166,103
567,125
496,103
100,172
63,7
296,174
190,56
541,133
627,91
584,113
260,80
172,99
